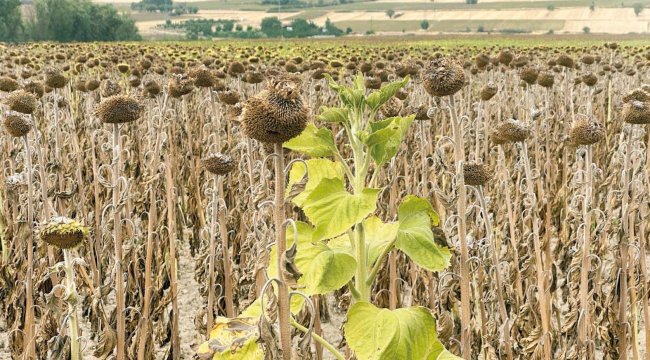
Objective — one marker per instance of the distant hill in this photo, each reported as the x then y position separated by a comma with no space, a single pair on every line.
425,16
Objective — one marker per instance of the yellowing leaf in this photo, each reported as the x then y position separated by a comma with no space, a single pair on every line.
381,334
386,137
379,97
324,268
415,237
317,170
333,210
334,115
232,339
313,141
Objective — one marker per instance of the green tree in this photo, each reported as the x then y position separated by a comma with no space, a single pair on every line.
271,26
390,13
638,8
586,30
79,20
228,26
302,28
332,29
11,24
424,25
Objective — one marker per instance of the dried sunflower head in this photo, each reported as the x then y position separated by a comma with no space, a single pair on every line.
54,78
636,112
228,97
202,77
566,61
21,101
391,108
152,88
8,84
511,131
488,91
586,132
119,109
589,79
637,95
110,88
545,79
277,114
63,232
180,85
36,88
17,125
443,77
218,164
529,74
476,174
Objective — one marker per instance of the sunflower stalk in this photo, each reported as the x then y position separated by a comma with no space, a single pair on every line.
279,217
72,299
461,209
30,326
117,239
539,261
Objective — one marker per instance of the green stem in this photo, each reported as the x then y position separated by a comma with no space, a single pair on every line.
377,265
362,269
358,184
353,291
319,340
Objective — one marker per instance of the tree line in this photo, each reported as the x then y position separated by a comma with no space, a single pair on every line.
64,21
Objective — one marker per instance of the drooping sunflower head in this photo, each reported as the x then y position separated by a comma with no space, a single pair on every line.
63,233
443,77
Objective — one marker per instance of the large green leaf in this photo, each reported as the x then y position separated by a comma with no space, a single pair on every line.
379,97
379,236
232,339
386,137
382,334
317,170
333,210
324,269
334,115
415,237
313,141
